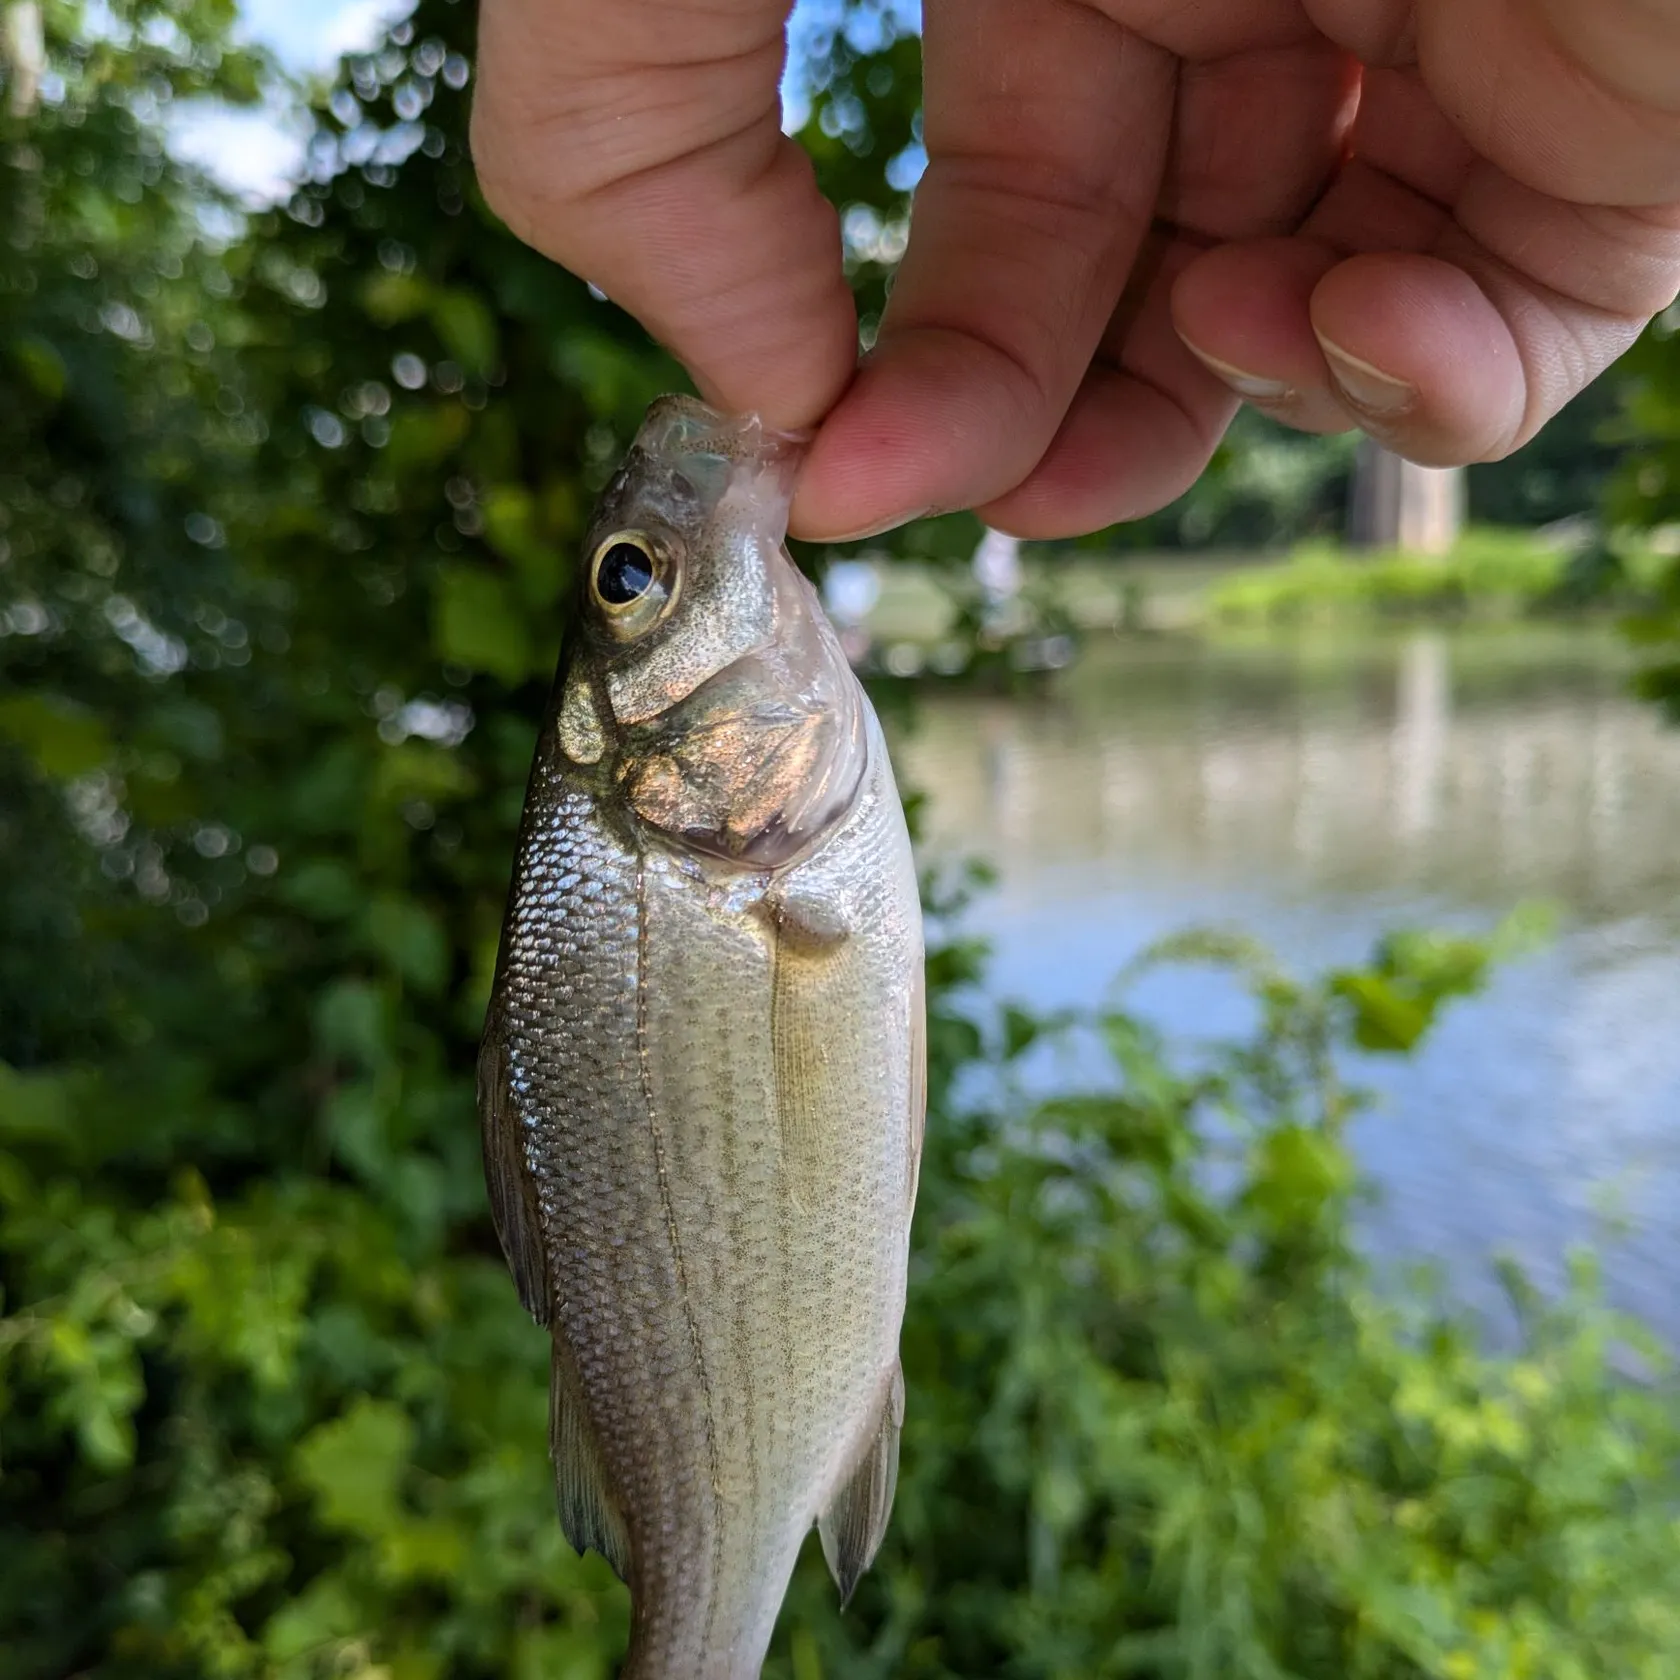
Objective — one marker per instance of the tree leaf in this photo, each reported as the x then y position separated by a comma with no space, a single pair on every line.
64,738
467,328
476,624
354,1466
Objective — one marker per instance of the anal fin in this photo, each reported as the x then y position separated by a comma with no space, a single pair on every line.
854,1524
587,1513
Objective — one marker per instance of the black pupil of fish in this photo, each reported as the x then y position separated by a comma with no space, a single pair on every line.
625,575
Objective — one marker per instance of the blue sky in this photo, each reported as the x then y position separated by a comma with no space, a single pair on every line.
310,34
259,153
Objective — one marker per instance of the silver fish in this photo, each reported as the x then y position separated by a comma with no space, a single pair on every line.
702,1078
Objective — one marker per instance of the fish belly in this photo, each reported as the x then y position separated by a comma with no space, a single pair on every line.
713,1075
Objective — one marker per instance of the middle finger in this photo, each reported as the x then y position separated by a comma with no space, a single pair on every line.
1046,128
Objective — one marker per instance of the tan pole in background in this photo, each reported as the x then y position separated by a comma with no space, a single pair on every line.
1395,504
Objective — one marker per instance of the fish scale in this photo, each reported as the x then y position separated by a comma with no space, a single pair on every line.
703,1064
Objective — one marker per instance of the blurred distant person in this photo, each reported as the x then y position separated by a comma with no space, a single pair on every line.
850,590
997,567
1435,221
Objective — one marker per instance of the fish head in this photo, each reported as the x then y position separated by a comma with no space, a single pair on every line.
705,664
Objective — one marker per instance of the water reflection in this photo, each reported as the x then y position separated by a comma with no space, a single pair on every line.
1317,793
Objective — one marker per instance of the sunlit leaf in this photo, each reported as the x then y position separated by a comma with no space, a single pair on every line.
321,887
35,1105
411,939
41,364
325,1610
391,298
477,624
354,1466
467,328
63,738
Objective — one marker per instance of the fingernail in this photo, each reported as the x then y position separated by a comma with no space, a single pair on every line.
1250,385
1367,389
881,527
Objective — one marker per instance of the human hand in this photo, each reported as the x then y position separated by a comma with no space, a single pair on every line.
1107,185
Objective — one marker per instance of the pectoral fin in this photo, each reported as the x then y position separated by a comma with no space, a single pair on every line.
810,921
854,1524
513,1198
587,1514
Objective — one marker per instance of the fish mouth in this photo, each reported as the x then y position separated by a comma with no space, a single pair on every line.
679,430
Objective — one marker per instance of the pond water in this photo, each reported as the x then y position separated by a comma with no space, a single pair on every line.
1317,792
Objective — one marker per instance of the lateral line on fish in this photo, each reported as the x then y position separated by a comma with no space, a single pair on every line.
667,1205
744,1377
785,1206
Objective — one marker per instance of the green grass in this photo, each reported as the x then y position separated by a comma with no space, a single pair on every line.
1492,573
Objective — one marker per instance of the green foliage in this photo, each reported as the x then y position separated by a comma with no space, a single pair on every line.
859,72
1395,999
281,593
1565,472
1162,1425
111,302
1266,487
1647,496
1491,573
1648,491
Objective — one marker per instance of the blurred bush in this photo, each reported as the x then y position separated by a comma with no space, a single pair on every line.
1646,495
286,512
1491,572
1163,1426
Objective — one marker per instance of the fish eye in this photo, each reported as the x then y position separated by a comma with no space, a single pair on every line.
632,583
623,574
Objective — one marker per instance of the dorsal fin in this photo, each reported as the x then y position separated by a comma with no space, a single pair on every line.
513,1195
587,1513
853,1525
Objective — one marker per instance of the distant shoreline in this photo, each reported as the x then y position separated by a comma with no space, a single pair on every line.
1493,574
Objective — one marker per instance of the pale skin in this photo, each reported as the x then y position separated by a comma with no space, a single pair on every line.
1434,221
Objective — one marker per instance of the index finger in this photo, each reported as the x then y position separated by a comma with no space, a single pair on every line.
1046,129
